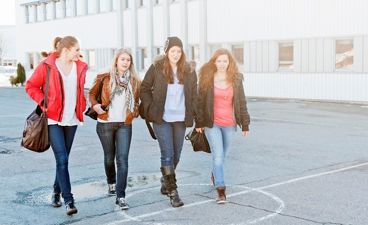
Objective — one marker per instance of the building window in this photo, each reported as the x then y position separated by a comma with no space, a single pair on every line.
157,2
91,58
31,60
158,51
142,58
141,3
194,53
344,55
238,52
286,56
126,4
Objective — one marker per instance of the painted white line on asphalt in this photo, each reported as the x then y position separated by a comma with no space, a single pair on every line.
240,193
139,217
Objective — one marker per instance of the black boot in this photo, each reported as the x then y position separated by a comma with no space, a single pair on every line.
163,187
168,173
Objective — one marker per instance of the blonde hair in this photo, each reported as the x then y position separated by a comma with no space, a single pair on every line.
132,70
208,70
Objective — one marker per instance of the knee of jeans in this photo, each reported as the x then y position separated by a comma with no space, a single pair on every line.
62,162
122,163
109,160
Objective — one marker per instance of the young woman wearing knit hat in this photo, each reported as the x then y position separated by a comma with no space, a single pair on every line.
168,96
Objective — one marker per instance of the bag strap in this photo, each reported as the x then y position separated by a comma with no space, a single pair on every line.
47,88
150,129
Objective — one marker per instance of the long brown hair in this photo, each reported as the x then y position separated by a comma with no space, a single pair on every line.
168,72
208,70
65,42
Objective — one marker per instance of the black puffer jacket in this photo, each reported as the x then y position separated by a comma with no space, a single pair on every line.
153,93
205,107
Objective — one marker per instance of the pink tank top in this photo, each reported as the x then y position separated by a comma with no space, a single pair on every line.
223,107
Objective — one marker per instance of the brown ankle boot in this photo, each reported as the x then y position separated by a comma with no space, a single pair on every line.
221,199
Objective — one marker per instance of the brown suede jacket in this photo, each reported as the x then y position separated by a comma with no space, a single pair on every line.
105,96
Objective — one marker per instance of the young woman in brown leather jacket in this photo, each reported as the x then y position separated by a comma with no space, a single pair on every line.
221,106
118,107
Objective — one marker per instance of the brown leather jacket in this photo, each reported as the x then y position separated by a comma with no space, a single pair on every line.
105,96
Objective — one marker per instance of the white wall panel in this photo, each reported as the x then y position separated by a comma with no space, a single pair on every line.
365,57
142,27
312,55
358,54
265,56
317,86
253,56
305,55
158,28
193,22
319,55
247,56
128,28
259,56
328,55
175,19
297,55
273,57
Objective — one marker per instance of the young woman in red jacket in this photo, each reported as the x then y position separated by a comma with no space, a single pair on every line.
65,106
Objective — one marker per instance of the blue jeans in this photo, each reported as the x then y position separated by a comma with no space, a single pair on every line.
170,138
61,140
219,139
115,138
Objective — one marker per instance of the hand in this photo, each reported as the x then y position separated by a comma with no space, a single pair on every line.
98,109
200,130
245,133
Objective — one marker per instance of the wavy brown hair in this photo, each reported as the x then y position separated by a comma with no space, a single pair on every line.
180,71
208,70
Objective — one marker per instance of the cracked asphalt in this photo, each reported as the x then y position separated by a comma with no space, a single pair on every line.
304,163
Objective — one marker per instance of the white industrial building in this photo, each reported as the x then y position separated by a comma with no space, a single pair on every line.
303,49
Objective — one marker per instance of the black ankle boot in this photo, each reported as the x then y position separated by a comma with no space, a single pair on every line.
175,199
163,187
70,208
55,200
168,173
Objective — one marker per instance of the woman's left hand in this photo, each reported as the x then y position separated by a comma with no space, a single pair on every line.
245,133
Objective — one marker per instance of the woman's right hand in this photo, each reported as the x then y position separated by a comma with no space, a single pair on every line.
200,130
98,109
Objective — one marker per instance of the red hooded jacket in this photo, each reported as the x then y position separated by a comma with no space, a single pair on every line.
55,103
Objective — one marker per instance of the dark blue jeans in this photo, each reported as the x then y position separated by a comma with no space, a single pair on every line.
61,140
115,138
170,136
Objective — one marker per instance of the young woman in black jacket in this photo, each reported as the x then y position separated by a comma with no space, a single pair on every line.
168,96
221,106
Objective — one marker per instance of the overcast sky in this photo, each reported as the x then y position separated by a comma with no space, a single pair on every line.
7,12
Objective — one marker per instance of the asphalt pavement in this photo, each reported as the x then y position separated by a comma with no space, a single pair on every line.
303,163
